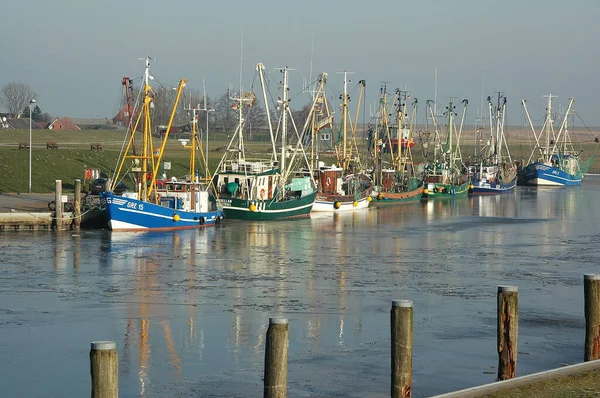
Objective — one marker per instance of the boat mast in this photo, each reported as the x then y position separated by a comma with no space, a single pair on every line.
537,138
400,117
498,142
435,114
207,112
284,107
260,68
458,153
549,126
353,145
344,117
164,140
502,131
195,141
147,133
563,129
448,148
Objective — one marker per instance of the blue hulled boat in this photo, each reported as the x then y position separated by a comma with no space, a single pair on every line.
171,213
158,205
543,174
558,163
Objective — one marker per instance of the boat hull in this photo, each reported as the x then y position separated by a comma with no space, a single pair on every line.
398,197
481,187
127,214
339,204
540,174
333,203
241,209
445,191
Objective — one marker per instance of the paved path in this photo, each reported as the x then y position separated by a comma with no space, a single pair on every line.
24,202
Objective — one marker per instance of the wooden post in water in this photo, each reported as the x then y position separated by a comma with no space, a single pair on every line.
401,321
104,369
58,212
508,331
591,291
77,205
276,358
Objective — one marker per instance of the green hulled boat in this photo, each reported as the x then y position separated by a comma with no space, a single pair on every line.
447,177
261,189
398,182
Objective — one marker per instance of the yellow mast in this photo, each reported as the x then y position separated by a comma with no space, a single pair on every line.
353,145
141,162
164,142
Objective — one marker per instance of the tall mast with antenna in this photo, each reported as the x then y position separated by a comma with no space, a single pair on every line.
435,113
345,118
207,113
312,49
284,110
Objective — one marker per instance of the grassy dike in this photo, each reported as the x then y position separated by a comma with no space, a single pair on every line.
74,156
586,384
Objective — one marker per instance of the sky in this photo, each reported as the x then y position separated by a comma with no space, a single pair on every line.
75,53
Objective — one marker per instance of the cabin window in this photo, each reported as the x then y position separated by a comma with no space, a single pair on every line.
237,180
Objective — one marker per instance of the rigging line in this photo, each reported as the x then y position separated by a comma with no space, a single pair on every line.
586,126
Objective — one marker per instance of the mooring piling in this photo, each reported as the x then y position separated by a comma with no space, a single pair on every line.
591,292
401,321
104,369
58,207
508,331
276,358
77,205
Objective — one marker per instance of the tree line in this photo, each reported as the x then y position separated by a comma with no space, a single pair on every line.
222,116
15,100
222,112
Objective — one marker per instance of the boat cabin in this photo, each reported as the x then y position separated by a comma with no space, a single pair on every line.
331,179
183,195
247,180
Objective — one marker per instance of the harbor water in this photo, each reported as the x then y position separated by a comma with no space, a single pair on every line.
189,310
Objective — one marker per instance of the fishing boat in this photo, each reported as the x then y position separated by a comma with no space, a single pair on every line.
343,187
148,209
259,189
493,169
446,177
557,162
396,179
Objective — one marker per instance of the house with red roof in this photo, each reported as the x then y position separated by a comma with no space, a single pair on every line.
62,123
124,116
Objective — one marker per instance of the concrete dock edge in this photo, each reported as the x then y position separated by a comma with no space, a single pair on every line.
523,380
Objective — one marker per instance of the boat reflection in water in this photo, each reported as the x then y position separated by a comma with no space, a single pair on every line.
189,309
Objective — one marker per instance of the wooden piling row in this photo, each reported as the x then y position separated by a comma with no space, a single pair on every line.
104,357
104,369
401,322
77,206
58,207
508,331
591,292
276,358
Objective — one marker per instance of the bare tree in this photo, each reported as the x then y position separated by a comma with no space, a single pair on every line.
15,97
164,98
226,116
256,120
301,115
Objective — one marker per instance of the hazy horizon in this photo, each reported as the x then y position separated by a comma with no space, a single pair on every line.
74,54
